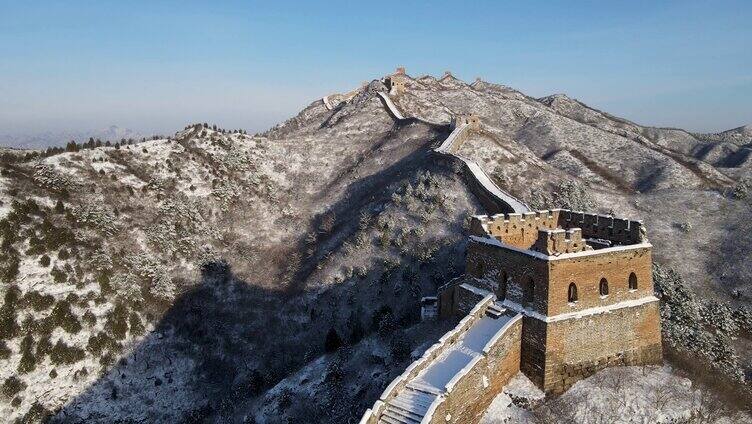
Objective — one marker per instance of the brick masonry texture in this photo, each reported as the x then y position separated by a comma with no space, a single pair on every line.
582,308
472,394
585,309
577,348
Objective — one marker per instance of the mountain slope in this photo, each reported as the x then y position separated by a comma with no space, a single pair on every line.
193,278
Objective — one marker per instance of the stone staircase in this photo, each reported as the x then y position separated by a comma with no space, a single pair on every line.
447,368
409,406
495,311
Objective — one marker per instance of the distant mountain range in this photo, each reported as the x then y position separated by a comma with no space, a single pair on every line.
50,139
211,276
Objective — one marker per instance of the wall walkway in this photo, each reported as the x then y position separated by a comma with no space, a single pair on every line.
455,379
327,104
494,199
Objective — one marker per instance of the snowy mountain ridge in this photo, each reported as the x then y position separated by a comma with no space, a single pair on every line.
193,277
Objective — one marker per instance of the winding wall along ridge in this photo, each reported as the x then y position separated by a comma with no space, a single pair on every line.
492,197
328,105
412,397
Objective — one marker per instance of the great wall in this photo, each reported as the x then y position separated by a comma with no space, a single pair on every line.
556,295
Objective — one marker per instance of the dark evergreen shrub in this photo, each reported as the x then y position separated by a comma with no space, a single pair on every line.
256,382
136,326
400,348
37,301
28,360
285,399
12,386
63,354
117,321
333,341
62,316
36,414
9,327
9,266
104,284
106,360
36,246
63,254
58,275
44,261
4,350
100,342
44,347
89,318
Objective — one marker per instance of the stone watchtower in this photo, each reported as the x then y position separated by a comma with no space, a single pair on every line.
471,120
583,283
396,82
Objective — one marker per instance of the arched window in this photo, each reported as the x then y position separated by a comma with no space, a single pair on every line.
603,287
502,294
572,293
632,281
528,290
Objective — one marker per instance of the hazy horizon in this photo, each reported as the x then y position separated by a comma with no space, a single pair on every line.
155,68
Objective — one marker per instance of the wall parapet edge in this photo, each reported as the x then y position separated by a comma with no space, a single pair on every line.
446,341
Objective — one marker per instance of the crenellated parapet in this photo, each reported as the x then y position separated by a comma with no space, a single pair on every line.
547,231
471,120
606,227
397,82
516,229
558,241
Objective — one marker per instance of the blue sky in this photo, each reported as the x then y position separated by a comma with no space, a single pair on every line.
155,66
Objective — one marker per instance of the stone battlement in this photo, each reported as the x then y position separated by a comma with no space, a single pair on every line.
396,83
553,242
472,120
546,231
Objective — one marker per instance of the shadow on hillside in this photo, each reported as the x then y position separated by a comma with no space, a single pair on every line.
201,352
358,197
225,341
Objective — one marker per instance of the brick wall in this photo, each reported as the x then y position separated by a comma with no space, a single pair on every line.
588,270
492,262
577,348
471,393
521,230
533,353
622,231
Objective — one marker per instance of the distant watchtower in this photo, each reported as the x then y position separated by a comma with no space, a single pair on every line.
397,81
583,283
470,119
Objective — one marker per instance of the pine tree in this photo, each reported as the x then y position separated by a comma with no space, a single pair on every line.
333,341
255,382
356,328
28,361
